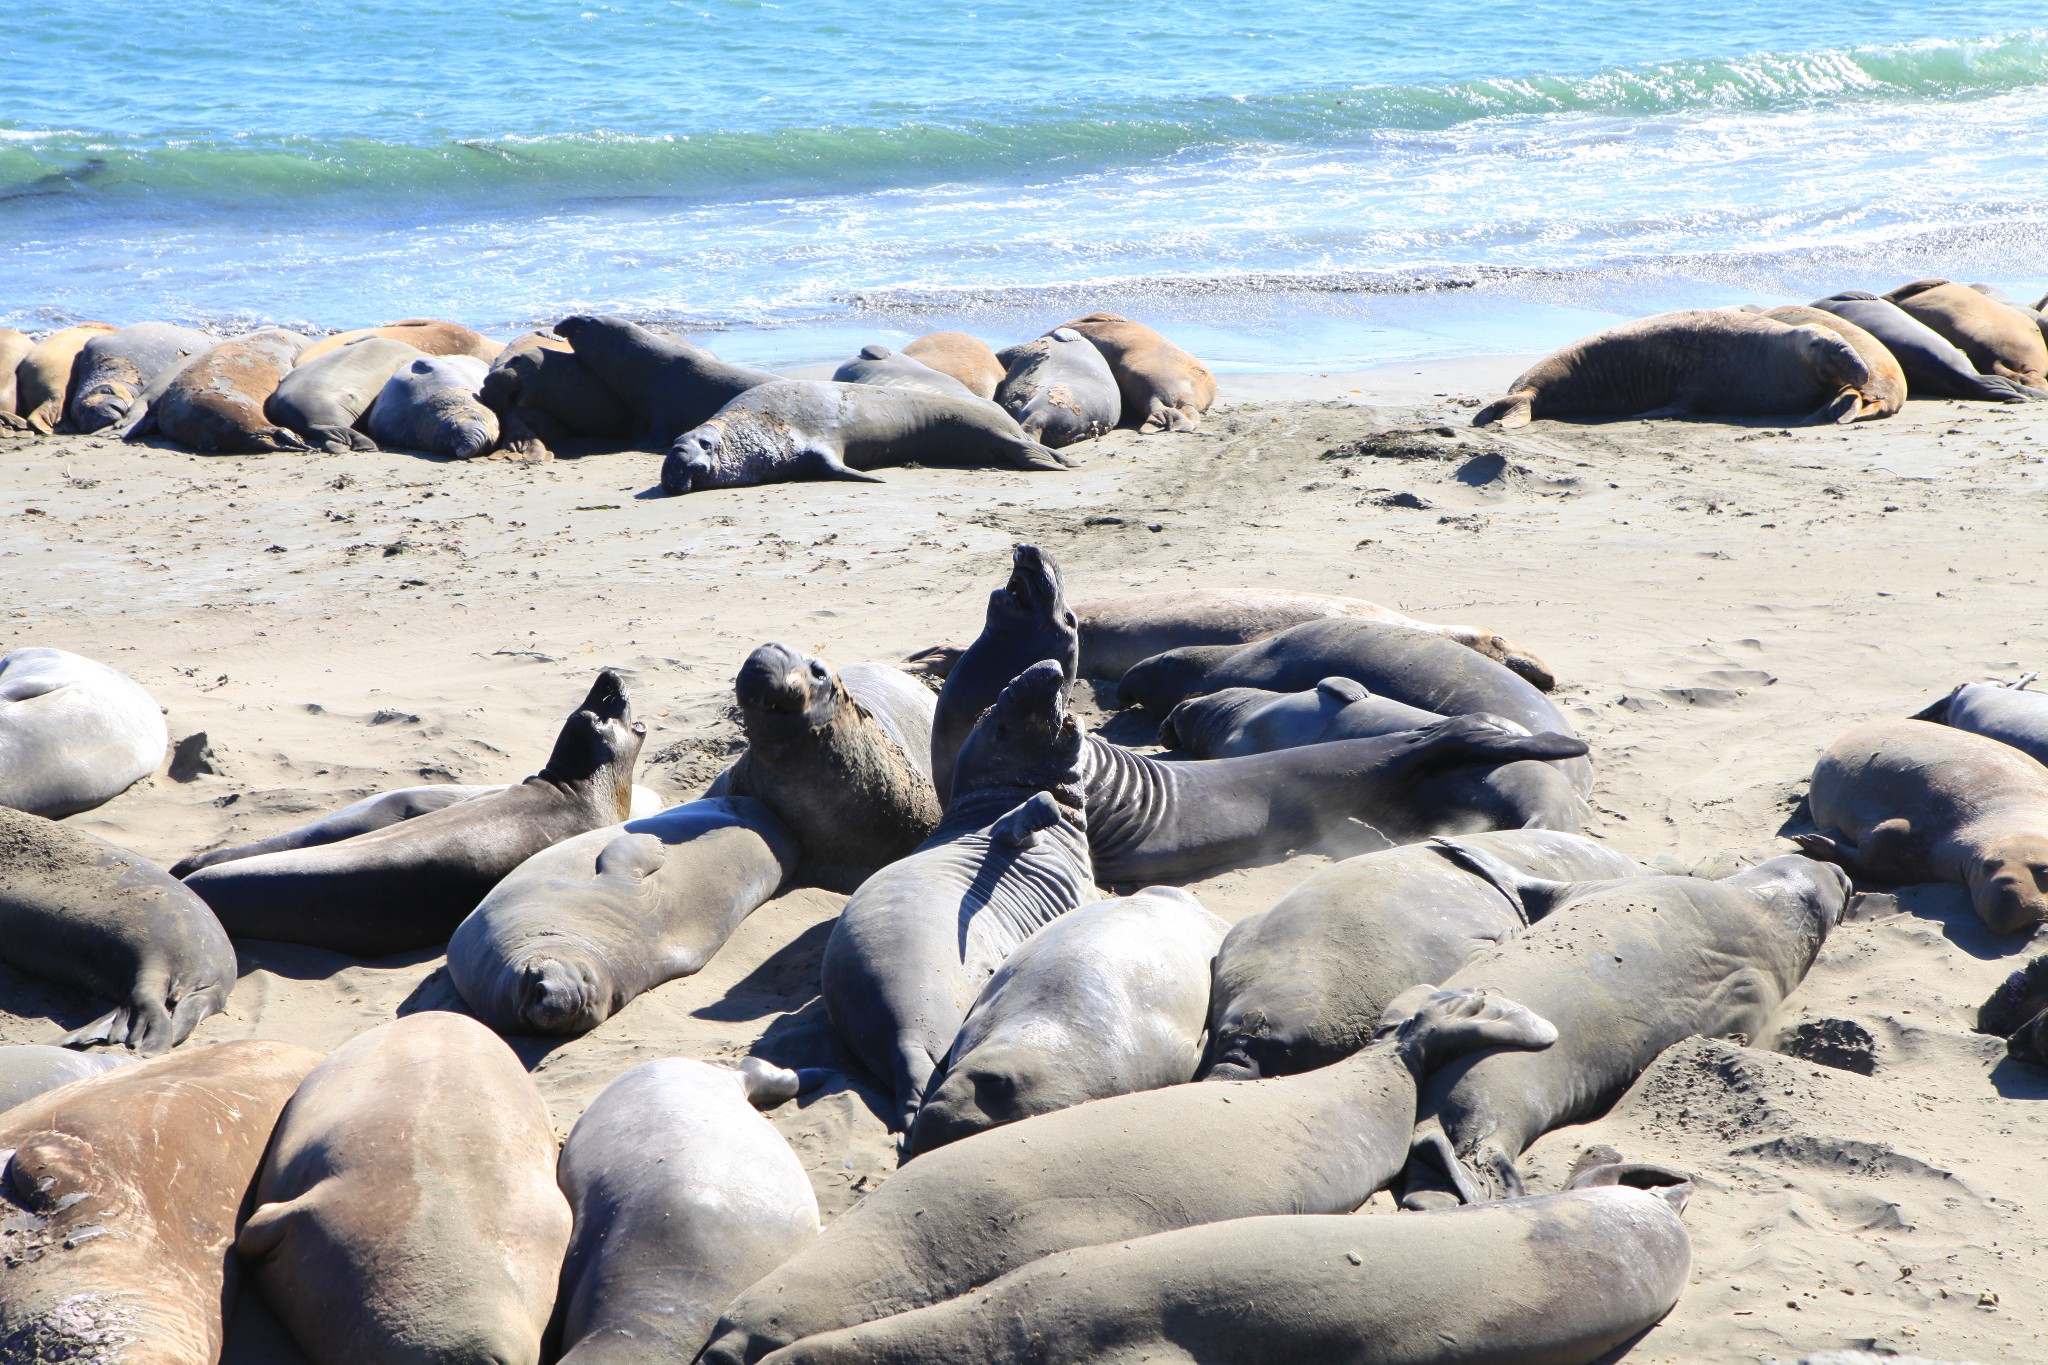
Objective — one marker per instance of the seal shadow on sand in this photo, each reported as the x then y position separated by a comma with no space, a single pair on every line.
31,998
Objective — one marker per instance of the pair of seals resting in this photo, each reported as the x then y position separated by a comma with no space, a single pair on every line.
31,1069
966,358
577,930
408,885
1886,392
2009,714
683,1196
43,378
1933,367
1161,387
1108,999
1999,337
407,1209
884,368
1124,1167
120,373
73,733
1907,801
545,397
323,399
216,404
667,384
1059,388
431,404
423,334
1701,362
75,909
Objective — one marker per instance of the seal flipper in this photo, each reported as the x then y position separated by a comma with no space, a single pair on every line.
1473,739
1431,1026
638,856
767,1084
1516,410
1938,713
1343,691
265,1230
819,463
51,1171
1021,827
1534,897
1434,1177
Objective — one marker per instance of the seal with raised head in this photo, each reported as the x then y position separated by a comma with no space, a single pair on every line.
1998,338
1885,394
29,1069
424,334
1696,363
1162,387
73,732
669,385
1118,1168
545,397
966,358
1933,367
431,404
407,1209
76,910
684,1195
1027,620
215,404
2006,712
1903,801
1305,983
1059,388
1624,969
1109,999
795,429
119,373
324,399
577,930
409,885
14,348
43,379
889,369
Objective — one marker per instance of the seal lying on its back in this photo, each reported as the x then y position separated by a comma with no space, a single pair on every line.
323,399
1059,388
1905,801
1305,983
1885,394
1162,387
120,372
1998,338
407,1208
424,334
432,405
1114,1169
966,358
2009,714
1700,362
43,379
119,1200
683,1196
1108,999
76,910
30,1069
579,929
73,732
1933,367
1250,720
669,385
792,429
215,404
408,886
1588,1269
544,396
887,369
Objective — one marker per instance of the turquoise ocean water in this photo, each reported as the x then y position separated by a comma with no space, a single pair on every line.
1302,186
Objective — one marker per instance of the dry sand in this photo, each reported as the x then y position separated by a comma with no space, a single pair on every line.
1719,601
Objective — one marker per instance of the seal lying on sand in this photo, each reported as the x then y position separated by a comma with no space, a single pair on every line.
1108,999
407,1208
30,1069
43,380
577,930
423,334
1998,338
2007,713
1885,394
1059,388
119,1201
1250,720
1163,388
2018,1012
215,403
967,358
409,885
1933,367
14,348
76,910
669,385
544,396
323,399
792,429
884,368
73,732
120,372
432,405
1904,801
1701,362
684,1196
1114,1169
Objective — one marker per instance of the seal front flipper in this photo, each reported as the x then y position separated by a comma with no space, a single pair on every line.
820,463
1021,827
266,1230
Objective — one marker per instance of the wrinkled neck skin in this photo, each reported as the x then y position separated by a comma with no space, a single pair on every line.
580,767
749,451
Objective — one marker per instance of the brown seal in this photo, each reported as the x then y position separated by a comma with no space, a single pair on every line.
1997,337
14,348
1885,394
215,405
968,359
42,381
1163,387
427,334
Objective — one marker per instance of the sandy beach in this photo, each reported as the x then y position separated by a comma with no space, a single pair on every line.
1720,600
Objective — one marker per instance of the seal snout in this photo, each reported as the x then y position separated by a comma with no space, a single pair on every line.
607,699
558,997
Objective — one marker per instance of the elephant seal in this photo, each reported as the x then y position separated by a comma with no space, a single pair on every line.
1163,388
1701,362
215,404
119,372
2018,1012
683,1196
119,1198
424,334
1933,367
1885,394
1108,999
1118,633
76,910
74,733
409,885
1113,1169
1060,389
1591,1268
880,366
407,1209
1250,720
795,429
1624,969
966,358
667,384
577,930
920,938
29,1069
1905,801
841,758
43,379
431,404
544,397
1305,983
1998,338
14,348
323,399
2031,311
1027,620
2007,713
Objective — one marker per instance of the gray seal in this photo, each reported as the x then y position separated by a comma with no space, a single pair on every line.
579,929
215,403
1161,387
119,372
683,1196
669,385
1933,367
966,358
546,397
407,886
1114,1169
1885,395
884,368
1998,337
794,429
1305,983
920,938
324,399
29,1069
1027,620
1702,362
1059,388
1108,999
76,910
431,405
2007,713
74,733
1237,721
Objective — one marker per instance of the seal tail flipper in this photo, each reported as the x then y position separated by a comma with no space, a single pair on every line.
104,1029
1434,1177
914,1068
767,1084
189,1011
1035,455
1603,1165
1938,712
1478,738
1518,409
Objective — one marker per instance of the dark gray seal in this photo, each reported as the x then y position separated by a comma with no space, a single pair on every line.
431,405
74,733
683,1196
118,372
1113,1169
546,397
76,910
579,929
1059,388
215,403
1237,721
29,1069
669,385
324,399
2007,713
372,812
880,366
1027,620
2018,1012
1161,387
1998,337
409,885
1305,983
1933,367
